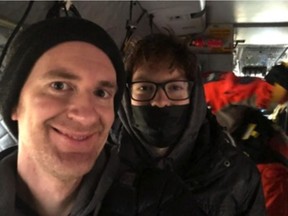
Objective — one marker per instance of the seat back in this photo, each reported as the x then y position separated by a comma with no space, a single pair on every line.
6,138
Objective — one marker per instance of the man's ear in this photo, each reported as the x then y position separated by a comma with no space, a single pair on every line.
14,114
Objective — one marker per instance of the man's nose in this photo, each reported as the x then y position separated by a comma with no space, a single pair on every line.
83,109
160,99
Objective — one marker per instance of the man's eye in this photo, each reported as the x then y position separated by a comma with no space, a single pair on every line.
60,86
102,93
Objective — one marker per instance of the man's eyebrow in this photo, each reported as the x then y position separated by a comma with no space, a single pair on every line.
60,74
66,75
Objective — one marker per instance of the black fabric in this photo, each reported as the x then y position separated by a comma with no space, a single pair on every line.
278,74
37,39
258,146
149,193
90,193
22,208
160,127
8,181
223,181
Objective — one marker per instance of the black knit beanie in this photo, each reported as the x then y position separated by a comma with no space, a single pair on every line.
278,74
35,40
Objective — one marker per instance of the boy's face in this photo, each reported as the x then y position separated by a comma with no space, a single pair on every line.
160,75
65,110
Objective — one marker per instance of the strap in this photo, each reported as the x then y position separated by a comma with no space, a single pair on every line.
104,184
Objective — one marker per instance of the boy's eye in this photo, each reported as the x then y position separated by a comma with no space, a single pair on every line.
176,87
59,86
146,88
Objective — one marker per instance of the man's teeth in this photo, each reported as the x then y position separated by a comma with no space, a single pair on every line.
79,138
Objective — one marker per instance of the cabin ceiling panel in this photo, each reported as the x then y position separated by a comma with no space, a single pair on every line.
179,17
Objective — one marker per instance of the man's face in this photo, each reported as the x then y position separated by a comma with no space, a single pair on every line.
159,75
65,110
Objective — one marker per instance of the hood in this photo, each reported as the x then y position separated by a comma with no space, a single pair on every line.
183,148
92,190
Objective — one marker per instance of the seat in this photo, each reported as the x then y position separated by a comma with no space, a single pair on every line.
7,140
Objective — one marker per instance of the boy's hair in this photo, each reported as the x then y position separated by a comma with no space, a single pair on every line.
160,50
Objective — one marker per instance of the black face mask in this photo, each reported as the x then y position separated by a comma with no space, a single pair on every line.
160,127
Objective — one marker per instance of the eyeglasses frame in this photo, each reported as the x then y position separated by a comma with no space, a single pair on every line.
161,85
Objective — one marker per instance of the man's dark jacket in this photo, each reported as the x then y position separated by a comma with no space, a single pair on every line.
90,195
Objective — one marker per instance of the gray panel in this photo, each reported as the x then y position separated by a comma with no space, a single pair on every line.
6,138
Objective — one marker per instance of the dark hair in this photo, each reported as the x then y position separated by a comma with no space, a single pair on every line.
278,74
160,50
36,40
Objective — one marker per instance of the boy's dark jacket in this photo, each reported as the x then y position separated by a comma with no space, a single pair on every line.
222,179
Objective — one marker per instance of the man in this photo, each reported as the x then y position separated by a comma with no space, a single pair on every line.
60,89
164,124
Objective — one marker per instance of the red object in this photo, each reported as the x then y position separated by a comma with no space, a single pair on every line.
210,43
274,178
224,88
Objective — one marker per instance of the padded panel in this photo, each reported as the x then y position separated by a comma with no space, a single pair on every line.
6,138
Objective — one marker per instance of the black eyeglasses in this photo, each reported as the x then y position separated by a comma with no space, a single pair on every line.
176,90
